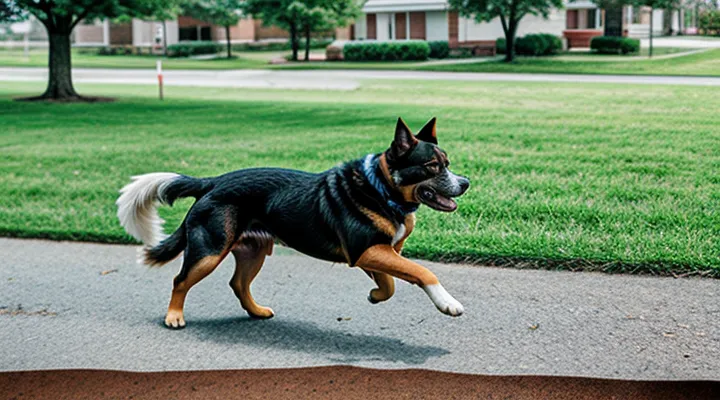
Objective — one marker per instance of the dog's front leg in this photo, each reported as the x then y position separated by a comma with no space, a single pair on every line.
383,258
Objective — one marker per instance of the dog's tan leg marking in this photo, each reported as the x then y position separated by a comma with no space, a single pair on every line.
383,258
385,289
174,318
247,266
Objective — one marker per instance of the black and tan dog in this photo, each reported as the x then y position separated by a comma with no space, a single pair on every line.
359,213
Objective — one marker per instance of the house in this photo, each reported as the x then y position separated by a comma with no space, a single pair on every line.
140,33
433,20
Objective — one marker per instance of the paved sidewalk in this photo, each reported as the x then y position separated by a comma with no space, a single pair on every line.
76,305
327,79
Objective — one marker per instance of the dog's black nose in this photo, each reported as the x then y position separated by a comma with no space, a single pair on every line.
464,184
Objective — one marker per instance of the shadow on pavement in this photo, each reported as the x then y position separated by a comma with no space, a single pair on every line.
306,337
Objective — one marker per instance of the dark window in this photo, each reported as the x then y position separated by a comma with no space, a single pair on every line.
187,34
205,33
591,16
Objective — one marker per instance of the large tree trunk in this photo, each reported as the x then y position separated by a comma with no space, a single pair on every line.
60,86
510,28
294,40
307,42
227,38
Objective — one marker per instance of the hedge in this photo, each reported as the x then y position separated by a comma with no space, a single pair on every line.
709,22
439,49
500,45
278,46
540,44
193,48
405,50
614,45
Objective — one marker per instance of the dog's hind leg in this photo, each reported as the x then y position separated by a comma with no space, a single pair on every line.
207,246
249,258
385,289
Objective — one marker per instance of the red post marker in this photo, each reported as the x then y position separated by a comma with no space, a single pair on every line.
160,78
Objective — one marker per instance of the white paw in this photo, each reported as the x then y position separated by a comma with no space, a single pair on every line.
443,301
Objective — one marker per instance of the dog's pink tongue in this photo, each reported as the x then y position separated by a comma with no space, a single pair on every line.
446,202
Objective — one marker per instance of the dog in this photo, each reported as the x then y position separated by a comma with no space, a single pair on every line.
360,213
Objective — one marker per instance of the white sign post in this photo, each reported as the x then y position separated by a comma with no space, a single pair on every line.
160,78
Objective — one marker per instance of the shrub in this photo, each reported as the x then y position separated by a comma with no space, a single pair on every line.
278,46
541,44
709,22
439,49
614,45
406,50
500,45
186,49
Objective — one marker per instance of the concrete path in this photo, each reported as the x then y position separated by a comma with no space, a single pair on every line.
689,42
73,305
327,79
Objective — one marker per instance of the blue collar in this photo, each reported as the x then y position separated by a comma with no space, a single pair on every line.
370,166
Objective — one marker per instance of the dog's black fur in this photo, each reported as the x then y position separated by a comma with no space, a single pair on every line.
334,215
317,214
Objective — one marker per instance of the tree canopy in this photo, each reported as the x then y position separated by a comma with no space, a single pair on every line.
510,13
225,13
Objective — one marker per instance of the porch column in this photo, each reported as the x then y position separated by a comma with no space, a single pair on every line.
106,32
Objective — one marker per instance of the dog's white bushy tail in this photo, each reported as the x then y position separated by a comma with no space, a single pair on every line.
137,206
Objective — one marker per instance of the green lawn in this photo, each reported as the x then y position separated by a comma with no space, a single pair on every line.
604,177
700,64
39,58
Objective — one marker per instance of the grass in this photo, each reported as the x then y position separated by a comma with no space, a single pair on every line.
617,178
700,64
39,58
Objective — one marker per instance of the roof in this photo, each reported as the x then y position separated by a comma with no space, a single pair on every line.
374,6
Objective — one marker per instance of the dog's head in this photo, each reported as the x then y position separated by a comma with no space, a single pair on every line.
419,169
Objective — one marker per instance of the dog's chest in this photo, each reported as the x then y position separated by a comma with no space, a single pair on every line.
400,233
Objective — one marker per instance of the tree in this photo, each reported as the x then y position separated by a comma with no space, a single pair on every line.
60,18
225,13
281,13
323,15
159,10
510,13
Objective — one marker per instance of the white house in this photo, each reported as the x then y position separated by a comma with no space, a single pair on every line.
433,20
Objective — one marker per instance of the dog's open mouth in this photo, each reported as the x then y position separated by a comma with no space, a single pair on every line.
432,199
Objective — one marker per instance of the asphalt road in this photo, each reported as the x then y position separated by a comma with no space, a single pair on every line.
60,311
327,79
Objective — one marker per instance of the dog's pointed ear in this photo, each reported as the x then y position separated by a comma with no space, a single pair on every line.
404,140
428,132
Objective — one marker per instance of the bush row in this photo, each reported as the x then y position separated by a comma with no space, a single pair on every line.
278,46
439,49
614,45
187,49
406,50
539,44
709,22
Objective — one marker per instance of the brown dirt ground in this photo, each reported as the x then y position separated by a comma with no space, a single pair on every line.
333,383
